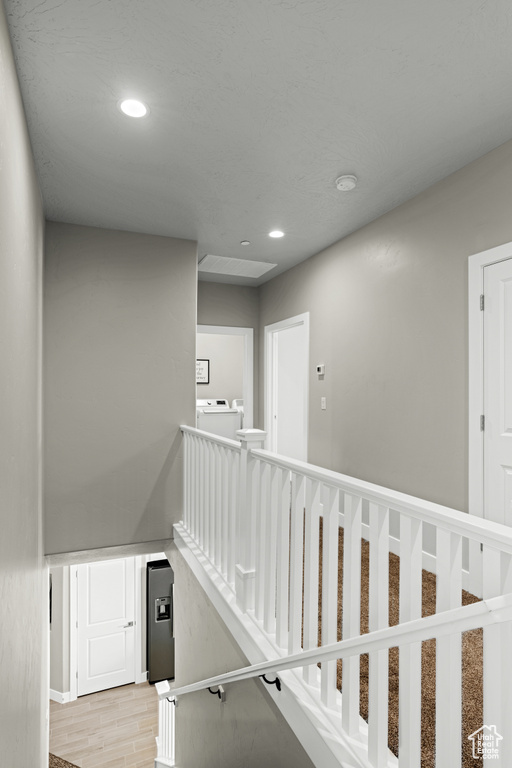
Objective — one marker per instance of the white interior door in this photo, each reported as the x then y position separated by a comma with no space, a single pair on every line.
497,434
287,378
106,625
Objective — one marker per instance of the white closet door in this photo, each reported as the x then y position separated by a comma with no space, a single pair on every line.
106,625
287,386
498,392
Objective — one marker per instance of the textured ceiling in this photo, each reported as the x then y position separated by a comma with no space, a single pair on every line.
256,107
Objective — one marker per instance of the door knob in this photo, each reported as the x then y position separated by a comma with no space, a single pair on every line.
130,624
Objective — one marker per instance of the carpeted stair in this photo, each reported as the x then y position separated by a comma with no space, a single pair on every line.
472,660
58,762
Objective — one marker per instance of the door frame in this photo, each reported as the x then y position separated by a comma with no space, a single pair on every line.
270,331
248,370
476,265
140,676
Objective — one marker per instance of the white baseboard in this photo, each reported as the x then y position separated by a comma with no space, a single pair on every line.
60,698
141,677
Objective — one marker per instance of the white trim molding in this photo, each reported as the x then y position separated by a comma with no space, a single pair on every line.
140,672
73,631
270,330
248,372
476,264
60,698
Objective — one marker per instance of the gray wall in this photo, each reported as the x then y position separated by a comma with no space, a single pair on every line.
247,730
389,320
236,306
119,372
23,579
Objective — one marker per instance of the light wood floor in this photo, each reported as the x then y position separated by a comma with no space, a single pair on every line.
110,729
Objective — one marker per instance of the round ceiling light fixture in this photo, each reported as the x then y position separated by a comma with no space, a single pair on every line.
346,183
244,242
276,233
133,108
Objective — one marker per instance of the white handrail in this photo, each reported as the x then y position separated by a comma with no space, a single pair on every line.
473,616
217,439
258,517
485,531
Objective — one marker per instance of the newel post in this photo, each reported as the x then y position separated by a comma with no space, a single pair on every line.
246,518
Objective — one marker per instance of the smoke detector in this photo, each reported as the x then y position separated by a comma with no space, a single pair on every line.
346,183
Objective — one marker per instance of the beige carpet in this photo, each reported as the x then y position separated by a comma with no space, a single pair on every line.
58,762
472,662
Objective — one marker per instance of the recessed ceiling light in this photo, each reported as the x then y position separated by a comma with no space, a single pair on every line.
244,242
346,183
276,233
133,108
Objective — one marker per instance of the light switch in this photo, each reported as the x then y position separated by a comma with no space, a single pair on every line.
323,403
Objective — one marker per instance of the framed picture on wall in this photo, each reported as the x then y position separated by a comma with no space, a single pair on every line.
202,371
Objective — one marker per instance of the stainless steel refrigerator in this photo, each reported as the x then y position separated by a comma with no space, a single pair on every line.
160,620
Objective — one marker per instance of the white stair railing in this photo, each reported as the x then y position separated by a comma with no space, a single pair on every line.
166,739
484,614
211,496
256,516
487,614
